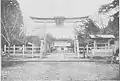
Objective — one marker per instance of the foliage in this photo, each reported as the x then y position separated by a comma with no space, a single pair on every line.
49,38
113,25
89,28
33,39
11,21
107,7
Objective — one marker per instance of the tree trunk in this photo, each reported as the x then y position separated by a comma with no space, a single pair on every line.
7,42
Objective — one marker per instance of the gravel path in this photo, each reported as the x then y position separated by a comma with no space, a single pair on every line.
63,71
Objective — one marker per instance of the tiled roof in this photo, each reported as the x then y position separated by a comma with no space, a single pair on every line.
102,36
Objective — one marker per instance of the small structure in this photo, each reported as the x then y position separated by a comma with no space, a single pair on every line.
102,45
63,45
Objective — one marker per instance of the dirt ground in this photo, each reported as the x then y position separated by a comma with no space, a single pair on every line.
59,71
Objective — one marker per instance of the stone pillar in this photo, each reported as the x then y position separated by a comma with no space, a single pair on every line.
32,51
42,47
74,46
93,52
5,48
108,44
23,50
14,49
45,40
77,42
94,44
87,49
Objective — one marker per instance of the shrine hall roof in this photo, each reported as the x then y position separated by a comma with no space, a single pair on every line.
102,36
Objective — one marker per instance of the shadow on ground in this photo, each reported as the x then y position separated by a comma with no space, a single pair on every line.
10,63
6,63
116,78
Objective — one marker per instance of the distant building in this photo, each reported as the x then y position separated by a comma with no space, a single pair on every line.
102,44
102,40
63,45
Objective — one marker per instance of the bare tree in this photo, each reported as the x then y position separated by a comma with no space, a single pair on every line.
11,21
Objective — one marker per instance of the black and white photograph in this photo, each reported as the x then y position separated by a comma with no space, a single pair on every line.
60,40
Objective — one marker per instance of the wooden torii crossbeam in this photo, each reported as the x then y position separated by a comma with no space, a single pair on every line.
59,19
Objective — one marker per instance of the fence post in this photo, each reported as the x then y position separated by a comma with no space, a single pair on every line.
108,44
5,48
23,50
32,51
40,51
87,49
14,49
105,49
93,53
41,48
74,47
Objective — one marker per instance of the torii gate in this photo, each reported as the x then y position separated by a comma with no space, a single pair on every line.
59,21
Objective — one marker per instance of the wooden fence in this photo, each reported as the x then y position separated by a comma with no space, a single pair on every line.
70,55
24,51
37,51
102,52
99,51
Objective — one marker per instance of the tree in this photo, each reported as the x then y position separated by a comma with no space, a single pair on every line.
107,7
33,39
86,28
91,27
49,38
113,25
11,22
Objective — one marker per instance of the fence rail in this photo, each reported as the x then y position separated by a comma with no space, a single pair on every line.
70,55
98,51
31,51
24,51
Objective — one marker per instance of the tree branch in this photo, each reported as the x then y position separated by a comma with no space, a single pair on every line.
5,39
14,25
17,39
5,29
4,26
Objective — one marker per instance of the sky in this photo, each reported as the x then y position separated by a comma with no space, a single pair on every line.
68,8
52,8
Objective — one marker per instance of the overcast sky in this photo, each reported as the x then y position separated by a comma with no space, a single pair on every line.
68,8
52,8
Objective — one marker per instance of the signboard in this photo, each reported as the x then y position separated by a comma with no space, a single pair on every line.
62,44
59,20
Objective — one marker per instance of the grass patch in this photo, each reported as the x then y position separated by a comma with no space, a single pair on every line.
116,78
5,62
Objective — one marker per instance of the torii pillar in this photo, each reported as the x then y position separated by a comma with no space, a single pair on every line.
77,44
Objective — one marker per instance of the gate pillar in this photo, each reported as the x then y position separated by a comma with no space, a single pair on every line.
77,44
74,46
42,47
